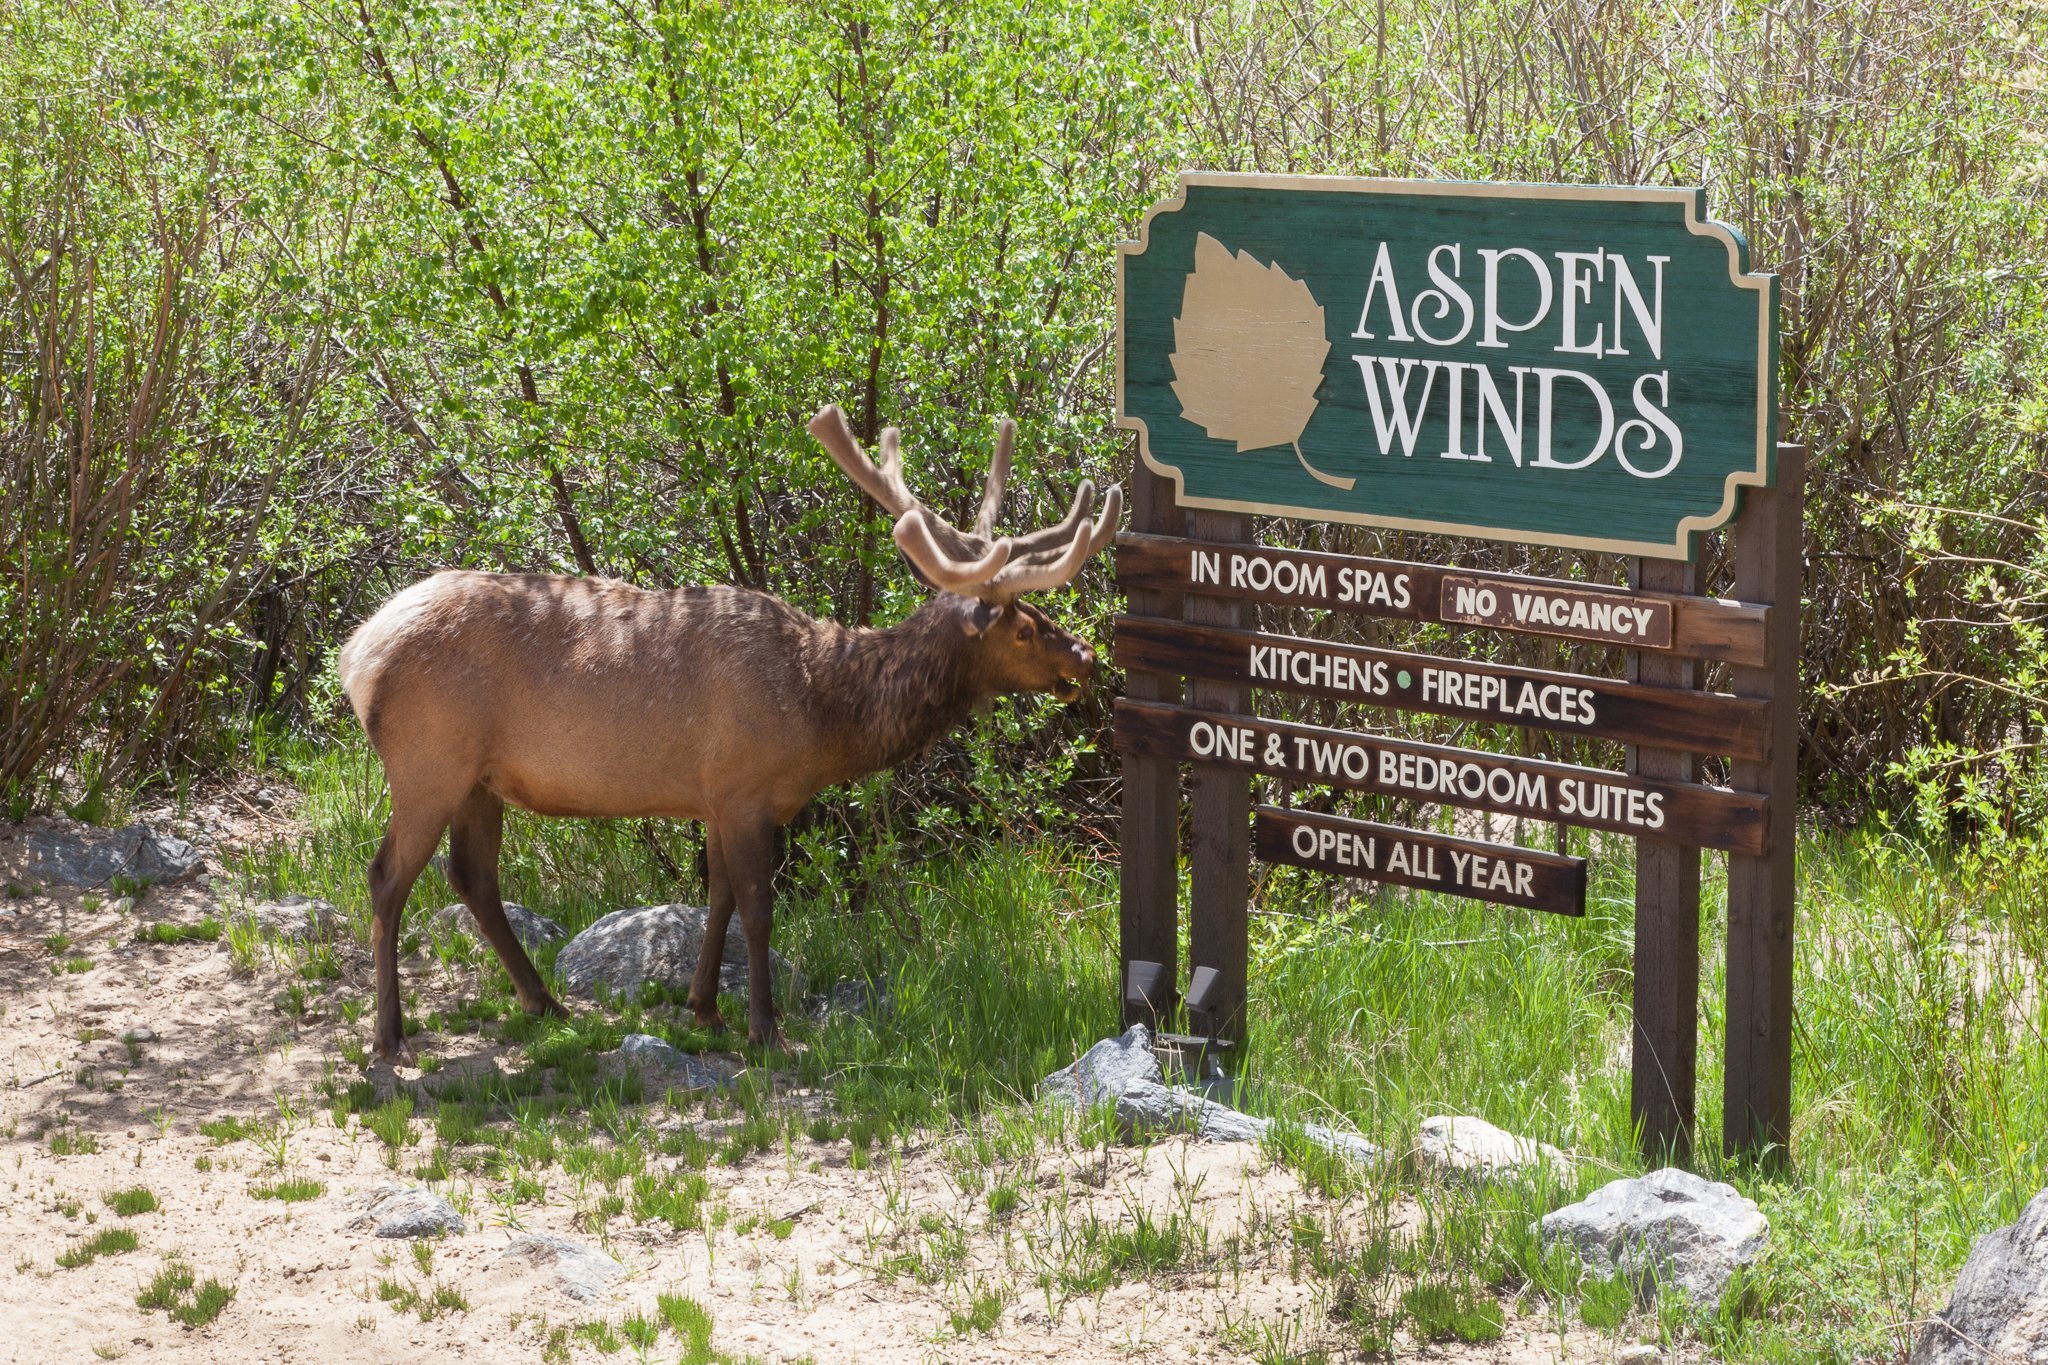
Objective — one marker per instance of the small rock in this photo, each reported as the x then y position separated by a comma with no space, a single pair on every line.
1149,1107
658,943
403,1211
681,1070
1639,1354
1669,1227
141,1033
1999,1309
533,929
1124,1071
855,999
79,856
1466,1148
1106,1071
1343,1144
581,1272
297,919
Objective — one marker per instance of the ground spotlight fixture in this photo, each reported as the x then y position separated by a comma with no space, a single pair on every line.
1145,985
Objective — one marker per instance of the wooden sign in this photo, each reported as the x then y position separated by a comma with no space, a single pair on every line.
1574,613
1431,862
1534,789
1568,703
1390,589
1584,366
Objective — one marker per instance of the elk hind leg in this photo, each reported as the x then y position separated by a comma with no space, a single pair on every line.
409,840
474,838
711,953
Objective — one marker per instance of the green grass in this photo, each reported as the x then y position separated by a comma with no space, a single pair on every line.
129,1203
425,1303
206,930
1446,1312
980,1316
106,1242
392,1122
228,1128
1919,1076
175,1292
72,1142
292,1191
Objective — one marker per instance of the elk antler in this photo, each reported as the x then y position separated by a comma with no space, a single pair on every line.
970,563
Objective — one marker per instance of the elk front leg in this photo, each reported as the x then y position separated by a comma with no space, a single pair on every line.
749,865
711,953
474,839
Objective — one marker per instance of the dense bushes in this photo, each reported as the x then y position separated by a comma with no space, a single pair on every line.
302,300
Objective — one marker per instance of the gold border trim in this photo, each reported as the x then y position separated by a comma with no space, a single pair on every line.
1758,476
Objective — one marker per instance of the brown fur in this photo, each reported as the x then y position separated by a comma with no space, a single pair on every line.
589,697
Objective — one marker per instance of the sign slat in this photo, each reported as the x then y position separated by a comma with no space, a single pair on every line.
1501,874
1591,798
1694,627
1698,722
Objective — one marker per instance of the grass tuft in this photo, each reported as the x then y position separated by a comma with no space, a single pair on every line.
174,1291
291,1191
106,1242
129,1203
207,930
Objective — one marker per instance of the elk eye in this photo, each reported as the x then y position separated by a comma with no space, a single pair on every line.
1023,633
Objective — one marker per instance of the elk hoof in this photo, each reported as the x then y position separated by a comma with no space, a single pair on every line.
769,1038
546,1005
708,1017
395,1052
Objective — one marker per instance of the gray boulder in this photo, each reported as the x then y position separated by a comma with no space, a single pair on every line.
1149,1107
1669,1227
672,1066
1105,1071
402,1211
1125,1072
72,855
581,1272
1459,1147
1999,1310
533,929
658,943
299,919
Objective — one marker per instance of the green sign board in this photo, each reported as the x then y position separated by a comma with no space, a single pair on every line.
1584,366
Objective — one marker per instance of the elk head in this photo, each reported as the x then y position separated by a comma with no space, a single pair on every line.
1016,647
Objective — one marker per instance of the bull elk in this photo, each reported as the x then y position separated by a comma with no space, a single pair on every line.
590,697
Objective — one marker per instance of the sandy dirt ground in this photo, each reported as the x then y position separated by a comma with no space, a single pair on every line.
131,1055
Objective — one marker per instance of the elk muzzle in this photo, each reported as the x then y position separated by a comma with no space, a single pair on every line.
1076,674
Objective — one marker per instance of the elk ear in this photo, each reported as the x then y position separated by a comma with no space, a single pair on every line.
978,617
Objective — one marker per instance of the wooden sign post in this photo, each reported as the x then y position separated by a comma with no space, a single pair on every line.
1589,368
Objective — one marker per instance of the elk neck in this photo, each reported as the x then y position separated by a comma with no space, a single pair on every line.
889,693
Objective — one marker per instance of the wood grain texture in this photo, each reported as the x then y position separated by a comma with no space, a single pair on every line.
1219,857
1630,712
1148,922
1664,1056
1619,803
1757,1093
1711,628
1500,874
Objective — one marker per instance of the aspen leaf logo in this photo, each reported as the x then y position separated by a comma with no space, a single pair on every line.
1248,351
